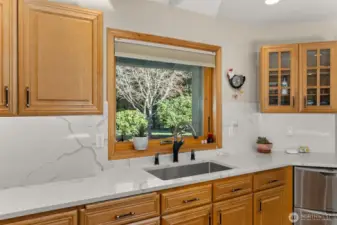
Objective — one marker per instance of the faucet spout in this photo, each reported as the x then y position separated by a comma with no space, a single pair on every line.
176,147
180,129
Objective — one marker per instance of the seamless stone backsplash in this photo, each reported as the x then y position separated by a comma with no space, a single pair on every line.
36,150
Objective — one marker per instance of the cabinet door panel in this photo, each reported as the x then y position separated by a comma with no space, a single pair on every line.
197,216
270,207
155,221
60,59
278,79
317,77
238,211
8,71
64,218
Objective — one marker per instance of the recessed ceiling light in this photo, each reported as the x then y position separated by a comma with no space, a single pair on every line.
272,2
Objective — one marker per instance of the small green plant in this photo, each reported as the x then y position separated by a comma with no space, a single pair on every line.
263,140
129,121
141,132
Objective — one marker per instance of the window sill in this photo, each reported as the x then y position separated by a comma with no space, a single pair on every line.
126,153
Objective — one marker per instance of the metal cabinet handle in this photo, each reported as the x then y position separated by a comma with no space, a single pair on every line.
293,101
191,200
236,189
6,97
328,174
260,207
125,215
220,218
27,97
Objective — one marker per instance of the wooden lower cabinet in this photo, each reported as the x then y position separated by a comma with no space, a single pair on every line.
60,218
197,216
270,207
122,211
237,211
154,221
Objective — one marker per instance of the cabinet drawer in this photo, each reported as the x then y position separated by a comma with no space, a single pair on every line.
121,212
173,201
269,179
232,187
49,218
196,216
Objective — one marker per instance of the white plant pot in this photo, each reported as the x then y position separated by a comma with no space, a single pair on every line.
140,143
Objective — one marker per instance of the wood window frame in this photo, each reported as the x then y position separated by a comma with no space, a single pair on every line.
212,97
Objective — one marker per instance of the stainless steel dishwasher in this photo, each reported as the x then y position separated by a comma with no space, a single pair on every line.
315,196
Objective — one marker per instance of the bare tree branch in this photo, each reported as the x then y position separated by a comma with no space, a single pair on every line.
145,88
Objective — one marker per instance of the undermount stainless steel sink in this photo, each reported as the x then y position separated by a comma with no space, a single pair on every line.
170,173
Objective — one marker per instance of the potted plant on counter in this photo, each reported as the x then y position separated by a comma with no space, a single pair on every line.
264,145
140,139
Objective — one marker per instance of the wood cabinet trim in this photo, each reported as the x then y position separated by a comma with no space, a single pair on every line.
154,221
303,78
8,73
184,217
269,179
232,207
48,218
129,210
187,198
264,76
300,90
232,187
39,107
122,201
269,195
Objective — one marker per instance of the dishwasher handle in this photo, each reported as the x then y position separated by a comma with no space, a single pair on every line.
330,215
323,171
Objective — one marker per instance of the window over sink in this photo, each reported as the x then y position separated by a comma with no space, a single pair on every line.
157,84
160,95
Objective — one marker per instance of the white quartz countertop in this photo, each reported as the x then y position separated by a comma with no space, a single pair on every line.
122,182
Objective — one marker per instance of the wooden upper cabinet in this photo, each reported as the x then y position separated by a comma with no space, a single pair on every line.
318,78
8,71
61,218
238,211
60,59
279,78
270,207
196,216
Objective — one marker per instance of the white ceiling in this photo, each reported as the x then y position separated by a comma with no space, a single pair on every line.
256,11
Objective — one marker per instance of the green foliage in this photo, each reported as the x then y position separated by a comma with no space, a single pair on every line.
131,122
174,111
141,132
262,140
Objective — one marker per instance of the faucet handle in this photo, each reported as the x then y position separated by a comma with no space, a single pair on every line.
192,155
156,159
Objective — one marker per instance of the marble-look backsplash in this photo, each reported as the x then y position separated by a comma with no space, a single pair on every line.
36,150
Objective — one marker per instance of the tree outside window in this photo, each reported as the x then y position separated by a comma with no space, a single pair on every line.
160,95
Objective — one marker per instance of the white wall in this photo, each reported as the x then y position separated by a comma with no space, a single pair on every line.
318,130
43,149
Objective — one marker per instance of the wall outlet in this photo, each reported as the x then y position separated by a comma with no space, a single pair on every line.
105,109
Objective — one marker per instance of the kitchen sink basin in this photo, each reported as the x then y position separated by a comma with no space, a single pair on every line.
170,173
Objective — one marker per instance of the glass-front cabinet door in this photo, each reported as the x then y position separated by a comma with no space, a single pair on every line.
279,68
318,77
